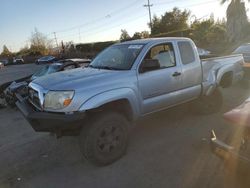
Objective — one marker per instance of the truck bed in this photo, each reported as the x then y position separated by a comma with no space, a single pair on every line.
215,63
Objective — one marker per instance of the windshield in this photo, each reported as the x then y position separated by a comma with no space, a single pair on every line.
118,57
46,58
48,69
243,49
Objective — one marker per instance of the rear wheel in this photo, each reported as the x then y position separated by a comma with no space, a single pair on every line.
105,139
209,104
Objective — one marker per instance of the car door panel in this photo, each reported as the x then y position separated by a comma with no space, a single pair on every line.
191,71
158,88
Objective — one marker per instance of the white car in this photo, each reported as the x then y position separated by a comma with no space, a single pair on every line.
18,61
4,61
203,52
1,65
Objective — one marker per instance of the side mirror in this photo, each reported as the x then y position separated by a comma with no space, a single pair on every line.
150,65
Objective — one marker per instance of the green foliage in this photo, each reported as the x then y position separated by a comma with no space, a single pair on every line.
171,21
6,52
38,50
209,34
178,33
137,35
94,47
200,30
141,35
39,44
237,20
23,52
124,35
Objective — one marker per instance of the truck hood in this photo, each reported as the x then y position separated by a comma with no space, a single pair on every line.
78,78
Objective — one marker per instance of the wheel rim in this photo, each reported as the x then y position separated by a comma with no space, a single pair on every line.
109,139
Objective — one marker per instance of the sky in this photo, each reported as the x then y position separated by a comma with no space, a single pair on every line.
84,21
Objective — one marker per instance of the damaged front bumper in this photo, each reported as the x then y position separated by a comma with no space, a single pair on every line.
49,122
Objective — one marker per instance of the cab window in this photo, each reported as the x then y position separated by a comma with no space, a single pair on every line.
164,53
186,52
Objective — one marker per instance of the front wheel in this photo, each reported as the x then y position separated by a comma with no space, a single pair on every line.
10,100
206,105
105,139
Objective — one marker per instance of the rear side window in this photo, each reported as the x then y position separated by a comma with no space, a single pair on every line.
187,52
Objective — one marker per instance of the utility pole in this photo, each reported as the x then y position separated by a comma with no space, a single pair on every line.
56,42
149,12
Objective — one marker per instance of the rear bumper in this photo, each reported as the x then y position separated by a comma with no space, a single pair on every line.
49,122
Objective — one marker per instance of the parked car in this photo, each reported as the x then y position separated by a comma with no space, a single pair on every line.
46,59
4,61
1,65
18,61
8,90
203,52
245,51
125,82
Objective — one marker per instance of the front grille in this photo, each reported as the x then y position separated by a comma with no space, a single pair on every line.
34,98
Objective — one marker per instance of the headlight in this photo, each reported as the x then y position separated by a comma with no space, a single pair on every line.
57,100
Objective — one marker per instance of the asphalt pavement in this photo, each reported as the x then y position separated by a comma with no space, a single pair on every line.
13,72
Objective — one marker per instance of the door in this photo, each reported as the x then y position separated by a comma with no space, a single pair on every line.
191,71
159,86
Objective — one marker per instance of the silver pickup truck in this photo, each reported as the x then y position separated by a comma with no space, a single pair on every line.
123,83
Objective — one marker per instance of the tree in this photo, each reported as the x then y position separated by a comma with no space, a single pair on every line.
141,35
6,52
237,20
171,21
209,34
201,30
137,35
145,34
39,44
124,35
23,51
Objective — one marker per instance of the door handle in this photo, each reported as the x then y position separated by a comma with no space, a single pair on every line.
176,74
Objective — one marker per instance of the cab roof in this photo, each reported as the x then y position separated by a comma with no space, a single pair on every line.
153,40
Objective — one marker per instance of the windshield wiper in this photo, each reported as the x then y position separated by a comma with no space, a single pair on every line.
90,66
99,67
104,67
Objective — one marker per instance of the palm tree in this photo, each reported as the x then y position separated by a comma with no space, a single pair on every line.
236,19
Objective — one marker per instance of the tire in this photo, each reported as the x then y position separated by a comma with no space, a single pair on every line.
105,139
10,100
206,105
